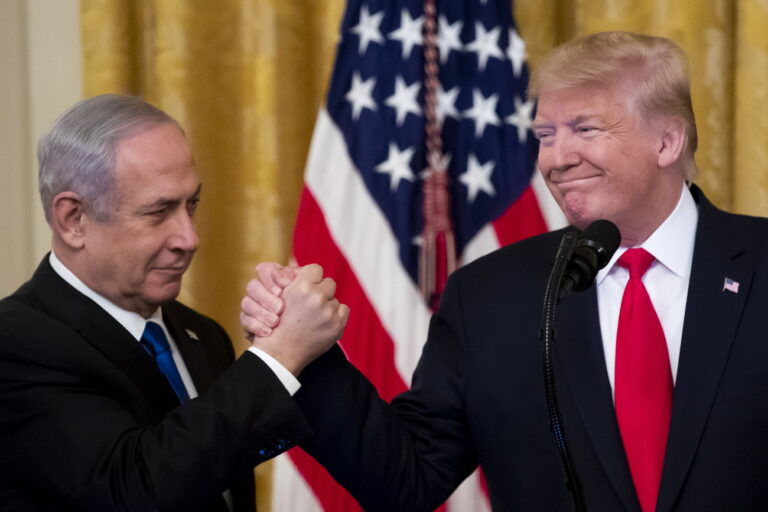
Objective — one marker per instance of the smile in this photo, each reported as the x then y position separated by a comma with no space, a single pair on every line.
172,270
570,183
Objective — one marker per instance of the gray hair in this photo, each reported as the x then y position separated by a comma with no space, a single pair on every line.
78,153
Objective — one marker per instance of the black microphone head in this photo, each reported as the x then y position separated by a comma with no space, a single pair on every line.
604,238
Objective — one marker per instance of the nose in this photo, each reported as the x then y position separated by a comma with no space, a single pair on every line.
184,236
559,154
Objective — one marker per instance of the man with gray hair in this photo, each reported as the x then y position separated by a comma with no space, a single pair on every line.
113,395
661,367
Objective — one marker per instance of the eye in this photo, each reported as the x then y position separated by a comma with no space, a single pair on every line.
586,130
543,136
160,212
192,206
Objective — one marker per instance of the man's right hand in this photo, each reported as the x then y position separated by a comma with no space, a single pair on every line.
304,318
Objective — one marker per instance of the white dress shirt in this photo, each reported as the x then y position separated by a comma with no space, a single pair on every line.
135,323
132,322
666,281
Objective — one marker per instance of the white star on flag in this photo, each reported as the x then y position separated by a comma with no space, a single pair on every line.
409,32
516,51
360,95
446,104
404,99
521,118
477,178
483,111
448,37
486,44
397,165
368,28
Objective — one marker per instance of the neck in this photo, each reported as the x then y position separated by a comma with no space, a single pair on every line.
634,234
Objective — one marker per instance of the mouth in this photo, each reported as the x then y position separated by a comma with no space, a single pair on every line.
571,183
173,270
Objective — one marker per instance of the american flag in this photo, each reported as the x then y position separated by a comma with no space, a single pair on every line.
361,216
731,285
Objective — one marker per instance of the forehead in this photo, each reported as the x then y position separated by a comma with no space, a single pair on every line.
583,101
157,159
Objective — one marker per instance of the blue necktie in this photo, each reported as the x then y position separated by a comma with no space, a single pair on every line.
156,344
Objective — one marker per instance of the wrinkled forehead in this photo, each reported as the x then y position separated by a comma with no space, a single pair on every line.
160,157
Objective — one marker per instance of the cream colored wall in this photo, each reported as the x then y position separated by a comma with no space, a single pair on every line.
40,76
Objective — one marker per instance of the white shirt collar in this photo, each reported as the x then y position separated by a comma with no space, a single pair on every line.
132,322
672,242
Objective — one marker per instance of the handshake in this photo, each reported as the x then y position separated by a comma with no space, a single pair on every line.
291,314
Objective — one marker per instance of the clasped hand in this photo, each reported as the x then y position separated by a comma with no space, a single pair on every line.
291,313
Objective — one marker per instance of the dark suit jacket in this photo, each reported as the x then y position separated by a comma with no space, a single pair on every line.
477,394
87,422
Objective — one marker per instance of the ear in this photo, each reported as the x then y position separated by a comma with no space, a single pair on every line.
67,216
672,142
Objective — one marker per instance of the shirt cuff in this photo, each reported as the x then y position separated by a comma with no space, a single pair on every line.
285,377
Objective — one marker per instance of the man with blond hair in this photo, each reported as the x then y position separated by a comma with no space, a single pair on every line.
662,367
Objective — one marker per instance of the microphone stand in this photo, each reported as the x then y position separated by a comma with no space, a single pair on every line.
546,338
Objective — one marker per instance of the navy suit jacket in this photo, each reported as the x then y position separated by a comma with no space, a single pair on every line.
88,422
477,394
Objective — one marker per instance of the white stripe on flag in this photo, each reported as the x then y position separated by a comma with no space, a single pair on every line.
364,237
552,213
482,243
469,497
290,493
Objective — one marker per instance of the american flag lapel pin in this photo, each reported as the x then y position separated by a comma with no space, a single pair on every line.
192,334
731,285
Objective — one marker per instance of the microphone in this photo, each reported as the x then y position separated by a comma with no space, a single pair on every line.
593,251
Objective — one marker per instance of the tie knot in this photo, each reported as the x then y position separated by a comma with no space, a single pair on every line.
154,339
636,261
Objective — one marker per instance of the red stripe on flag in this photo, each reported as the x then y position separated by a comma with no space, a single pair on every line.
522,219
366,342
330,494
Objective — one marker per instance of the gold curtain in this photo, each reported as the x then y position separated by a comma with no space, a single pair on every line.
246,77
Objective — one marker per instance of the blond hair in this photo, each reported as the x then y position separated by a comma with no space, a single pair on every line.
657,67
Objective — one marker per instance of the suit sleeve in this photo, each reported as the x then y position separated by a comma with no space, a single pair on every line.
79,433
406,456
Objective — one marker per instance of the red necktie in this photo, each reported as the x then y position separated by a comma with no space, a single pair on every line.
643,381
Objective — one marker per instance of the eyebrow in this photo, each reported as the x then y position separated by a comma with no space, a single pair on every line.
163,202
570,123
581,118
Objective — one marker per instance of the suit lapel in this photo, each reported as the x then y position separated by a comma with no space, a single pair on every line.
580,354
191,348
711,318
117,345
105,334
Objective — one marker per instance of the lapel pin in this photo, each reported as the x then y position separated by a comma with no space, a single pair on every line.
192,334
731,285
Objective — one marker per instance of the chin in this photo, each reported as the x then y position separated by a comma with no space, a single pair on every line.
580,220
163,294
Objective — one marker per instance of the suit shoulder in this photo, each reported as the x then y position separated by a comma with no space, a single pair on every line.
180,317
522,266
735,229
183,313
534,252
